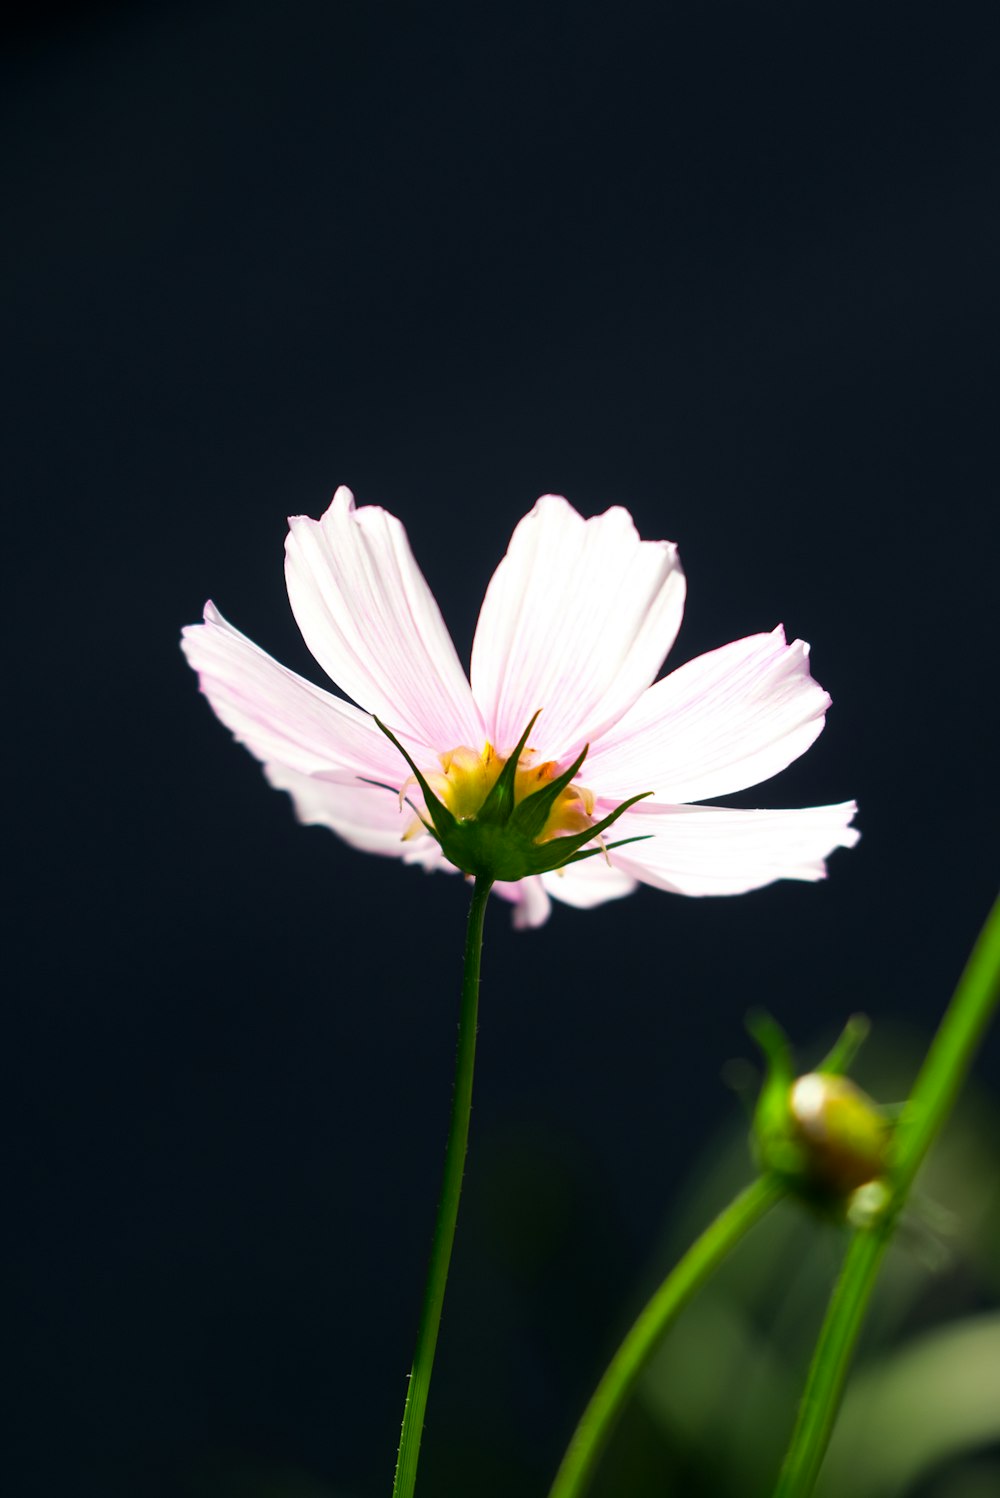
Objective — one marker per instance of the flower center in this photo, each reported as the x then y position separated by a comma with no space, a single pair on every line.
503,819
468,775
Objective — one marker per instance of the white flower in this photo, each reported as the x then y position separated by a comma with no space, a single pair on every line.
575,625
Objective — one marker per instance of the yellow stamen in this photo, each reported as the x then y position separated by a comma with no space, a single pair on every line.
467,779
468,775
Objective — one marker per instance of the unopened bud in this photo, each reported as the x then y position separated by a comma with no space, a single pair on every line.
824,1137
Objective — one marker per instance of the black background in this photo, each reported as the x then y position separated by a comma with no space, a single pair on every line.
733,266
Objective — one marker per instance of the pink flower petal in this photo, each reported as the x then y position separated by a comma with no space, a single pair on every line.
724,721
365,816
584,885
371,621
714,850
576,621
589,883
529,899
279,715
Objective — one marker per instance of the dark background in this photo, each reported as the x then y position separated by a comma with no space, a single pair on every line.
733,266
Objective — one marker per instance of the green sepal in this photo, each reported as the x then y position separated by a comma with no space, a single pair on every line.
492,850
641,837
771,1118
773,1042
559,851
530,816
852,1037
499,804
380,785
444,821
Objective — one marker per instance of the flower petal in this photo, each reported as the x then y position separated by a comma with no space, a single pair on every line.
529,899
726,720
589,883
371,621
365,816
716,850
278,715
576,622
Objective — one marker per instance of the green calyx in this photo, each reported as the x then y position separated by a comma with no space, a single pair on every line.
823,1137
500,841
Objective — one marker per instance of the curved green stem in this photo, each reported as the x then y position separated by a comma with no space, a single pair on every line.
447,1214
934,1092
701,1260
831,1359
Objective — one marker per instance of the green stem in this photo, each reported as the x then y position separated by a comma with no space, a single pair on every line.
934,1092
447,1214
698,1264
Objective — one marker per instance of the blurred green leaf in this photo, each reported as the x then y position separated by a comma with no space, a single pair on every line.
934,1399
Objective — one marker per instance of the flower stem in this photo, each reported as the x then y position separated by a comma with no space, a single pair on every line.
698,1264
934,1092
447,1214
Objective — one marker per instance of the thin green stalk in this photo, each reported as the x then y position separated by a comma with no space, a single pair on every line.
447,1214
698,1264
934,1092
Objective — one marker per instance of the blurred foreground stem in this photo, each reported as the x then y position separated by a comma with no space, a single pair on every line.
698,1264
944,1069
447,1215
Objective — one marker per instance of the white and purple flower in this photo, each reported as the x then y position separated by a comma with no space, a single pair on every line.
575,625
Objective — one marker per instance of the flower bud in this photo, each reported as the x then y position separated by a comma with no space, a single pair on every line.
819,1133
842,1133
